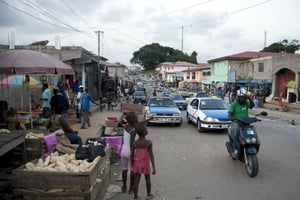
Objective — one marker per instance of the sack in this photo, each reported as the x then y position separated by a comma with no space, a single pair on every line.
90,152
81,153
94,151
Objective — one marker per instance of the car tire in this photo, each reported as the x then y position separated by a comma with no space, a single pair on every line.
199,128
178,124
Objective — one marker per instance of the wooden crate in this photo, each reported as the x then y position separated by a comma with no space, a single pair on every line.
97,192
35,146
34,149
64,185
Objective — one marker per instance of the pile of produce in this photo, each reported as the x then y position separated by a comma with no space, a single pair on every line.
31,135
62,163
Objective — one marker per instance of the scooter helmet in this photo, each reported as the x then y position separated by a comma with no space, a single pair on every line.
242,92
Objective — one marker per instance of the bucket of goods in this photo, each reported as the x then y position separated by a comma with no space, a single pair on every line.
111,122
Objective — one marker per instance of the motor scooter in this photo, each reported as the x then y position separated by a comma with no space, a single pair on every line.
248,142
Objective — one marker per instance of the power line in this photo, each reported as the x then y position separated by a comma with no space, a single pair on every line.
211,19
179,10
78,15
47,14
37,18
229,14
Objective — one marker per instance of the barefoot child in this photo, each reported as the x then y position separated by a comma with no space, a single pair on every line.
141,159
128,139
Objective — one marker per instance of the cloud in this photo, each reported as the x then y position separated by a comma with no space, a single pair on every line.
209,27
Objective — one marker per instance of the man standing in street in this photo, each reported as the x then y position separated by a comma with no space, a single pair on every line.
58,102
78,103
46,97
86,98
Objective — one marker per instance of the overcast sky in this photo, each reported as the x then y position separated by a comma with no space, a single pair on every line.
212,28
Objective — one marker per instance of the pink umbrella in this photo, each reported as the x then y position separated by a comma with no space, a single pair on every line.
18,81
31,62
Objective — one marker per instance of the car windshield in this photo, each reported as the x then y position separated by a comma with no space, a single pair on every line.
166,91
140,89
202,94
177,97
212,104
139,93
161,102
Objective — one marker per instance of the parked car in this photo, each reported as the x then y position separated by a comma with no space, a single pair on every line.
208,113
180,102
139,97
167,92
183,92
160,89
196,95
163,110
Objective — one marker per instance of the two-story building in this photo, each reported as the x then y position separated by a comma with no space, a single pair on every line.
181,71
198,77
267,70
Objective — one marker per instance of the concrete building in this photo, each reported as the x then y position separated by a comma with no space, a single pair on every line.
266,70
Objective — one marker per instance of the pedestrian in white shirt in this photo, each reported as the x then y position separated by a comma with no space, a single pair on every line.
78,103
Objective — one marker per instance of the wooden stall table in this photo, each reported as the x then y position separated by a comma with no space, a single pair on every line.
9,141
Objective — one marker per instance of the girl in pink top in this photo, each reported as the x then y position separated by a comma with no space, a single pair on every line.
141,159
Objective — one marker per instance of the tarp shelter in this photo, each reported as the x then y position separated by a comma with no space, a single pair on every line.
31,62
19,81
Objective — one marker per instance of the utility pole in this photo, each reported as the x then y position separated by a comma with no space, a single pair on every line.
99,71
265,39
182,38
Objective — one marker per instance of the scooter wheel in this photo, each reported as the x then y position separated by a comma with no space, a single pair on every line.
252,165
227,144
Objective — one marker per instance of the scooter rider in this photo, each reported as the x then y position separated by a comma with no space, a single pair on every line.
238,109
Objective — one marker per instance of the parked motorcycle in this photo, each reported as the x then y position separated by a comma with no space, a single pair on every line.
248,143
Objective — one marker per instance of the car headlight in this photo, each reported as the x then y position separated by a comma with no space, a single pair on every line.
248,140
210,119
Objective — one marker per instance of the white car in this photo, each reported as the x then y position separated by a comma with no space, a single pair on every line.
196,95
208,113
183,92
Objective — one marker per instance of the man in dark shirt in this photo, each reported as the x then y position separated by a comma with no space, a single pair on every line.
58,101
57,121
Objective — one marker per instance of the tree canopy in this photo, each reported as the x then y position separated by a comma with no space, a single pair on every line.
283,46
149,56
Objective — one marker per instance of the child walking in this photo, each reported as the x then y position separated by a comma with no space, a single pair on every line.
128,139
141,159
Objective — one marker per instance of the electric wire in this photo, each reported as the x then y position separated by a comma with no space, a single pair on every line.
47,14
211,19
78,15
37,18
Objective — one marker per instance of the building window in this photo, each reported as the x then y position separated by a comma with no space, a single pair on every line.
260,67
188,75
206,73
193,75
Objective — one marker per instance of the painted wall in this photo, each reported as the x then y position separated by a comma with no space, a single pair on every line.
219,71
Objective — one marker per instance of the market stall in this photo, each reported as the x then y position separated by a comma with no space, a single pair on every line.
26,62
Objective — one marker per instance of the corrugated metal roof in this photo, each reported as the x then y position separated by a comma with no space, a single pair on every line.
251,54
